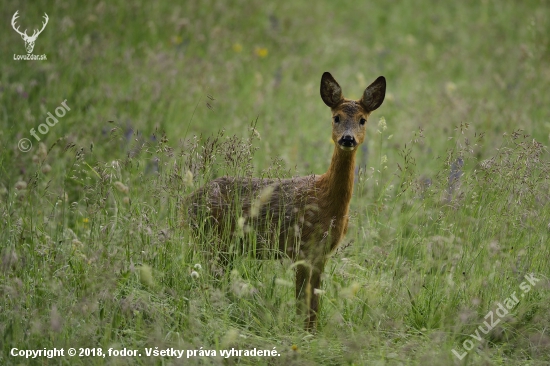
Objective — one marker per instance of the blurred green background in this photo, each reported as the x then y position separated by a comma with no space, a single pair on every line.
149,65
142,77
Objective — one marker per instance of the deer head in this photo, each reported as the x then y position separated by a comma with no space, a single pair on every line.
29,41
350,116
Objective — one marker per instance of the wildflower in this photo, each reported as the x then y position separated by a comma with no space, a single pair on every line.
176,40
85,220
195,274
261,52
384,159
237,47
197,266
294,348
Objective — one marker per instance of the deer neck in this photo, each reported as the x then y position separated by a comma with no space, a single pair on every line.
337,182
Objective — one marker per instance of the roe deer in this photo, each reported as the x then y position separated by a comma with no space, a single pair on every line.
304,218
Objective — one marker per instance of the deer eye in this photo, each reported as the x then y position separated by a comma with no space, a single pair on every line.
362,121
336,119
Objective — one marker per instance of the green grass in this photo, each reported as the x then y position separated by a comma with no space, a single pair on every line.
450,209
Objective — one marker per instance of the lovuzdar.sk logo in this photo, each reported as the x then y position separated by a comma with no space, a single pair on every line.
29,40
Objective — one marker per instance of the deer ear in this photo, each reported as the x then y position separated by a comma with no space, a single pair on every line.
374,94
331,93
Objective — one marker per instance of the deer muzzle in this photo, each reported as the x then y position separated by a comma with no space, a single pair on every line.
347,142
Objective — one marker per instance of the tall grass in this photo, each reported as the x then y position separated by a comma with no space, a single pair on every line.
451,203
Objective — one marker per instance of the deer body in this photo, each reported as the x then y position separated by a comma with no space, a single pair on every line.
303,218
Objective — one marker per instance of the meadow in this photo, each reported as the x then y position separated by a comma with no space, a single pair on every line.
446,260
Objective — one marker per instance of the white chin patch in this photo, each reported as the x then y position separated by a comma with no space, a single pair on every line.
346,148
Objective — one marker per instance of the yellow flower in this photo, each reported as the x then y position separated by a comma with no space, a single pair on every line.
85,220
261,52
176,40
237,47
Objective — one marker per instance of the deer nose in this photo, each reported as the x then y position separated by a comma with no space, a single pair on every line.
347,141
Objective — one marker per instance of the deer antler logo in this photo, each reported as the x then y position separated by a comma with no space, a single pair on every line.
29,41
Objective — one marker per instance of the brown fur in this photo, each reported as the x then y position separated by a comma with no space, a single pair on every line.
303,218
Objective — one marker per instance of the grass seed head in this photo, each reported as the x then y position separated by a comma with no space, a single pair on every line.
263,198
188,179
146,275
42,151
121,187
46,168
